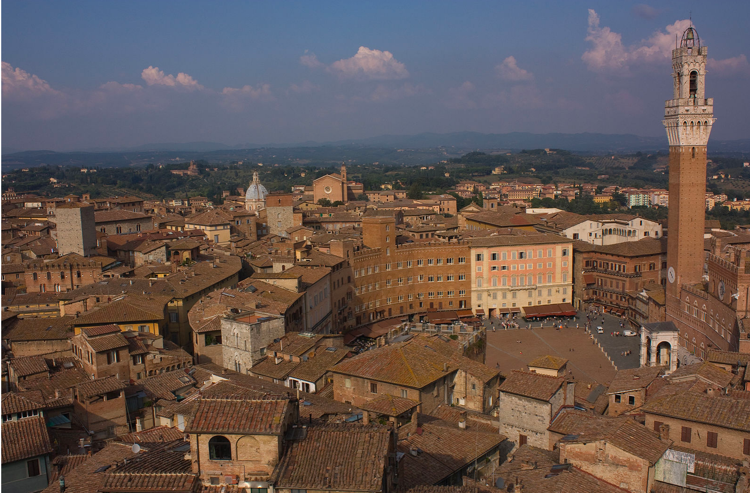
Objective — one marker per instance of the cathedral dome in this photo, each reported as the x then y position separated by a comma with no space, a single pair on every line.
256,191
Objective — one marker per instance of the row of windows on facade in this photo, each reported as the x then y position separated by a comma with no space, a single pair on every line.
409,280
35,277
514,294
421,305
409,263
512,267
521,280
714,323
712,438
411,297
118,229
519,255
616,267
630,233
430,294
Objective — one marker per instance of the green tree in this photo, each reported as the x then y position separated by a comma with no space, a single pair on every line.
363,197
415,192
324,202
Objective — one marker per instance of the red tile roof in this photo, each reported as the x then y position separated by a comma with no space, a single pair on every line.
634,379
337,458
107,342
159,434
533,385
29,365
261,417
85,478
13,402
101,330
99,386
24,439
721,411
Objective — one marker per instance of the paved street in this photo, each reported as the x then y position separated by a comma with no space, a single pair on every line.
615,346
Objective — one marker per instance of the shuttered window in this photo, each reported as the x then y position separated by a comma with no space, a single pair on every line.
686,434
712,439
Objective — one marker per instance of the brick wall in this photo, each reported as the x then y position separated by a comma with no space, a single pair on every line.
729,442
608,463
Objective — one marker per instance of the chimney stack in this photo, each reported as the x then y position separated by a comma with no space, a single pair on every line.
462,420
365,417
664,431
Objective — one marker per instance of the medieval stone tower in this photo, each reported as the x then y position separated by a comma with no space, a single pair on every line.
688,119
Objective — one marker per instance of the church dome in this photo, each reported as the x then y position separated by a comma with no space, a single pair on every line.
256,191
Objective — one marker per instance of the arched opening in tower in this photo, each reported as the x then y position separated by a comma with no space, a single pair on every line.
693,83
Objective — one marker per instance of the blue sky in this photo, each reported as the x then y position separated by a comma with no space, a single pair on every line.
108,74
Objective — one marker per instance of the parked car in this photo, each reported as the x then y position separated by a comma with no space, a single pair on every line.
600,330
629,333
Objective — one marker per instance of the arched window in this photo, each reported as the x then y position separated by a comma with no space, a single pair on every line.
219,448
693,83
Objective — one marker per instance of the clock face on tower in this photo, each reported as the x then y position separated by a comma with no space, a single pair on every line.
670,274
722,290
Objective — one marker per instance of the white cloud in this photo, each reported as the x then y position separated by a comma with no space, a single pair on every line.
608,53
306,87
155,77
18,83
310,61
459,98
370,64
729,66
509,70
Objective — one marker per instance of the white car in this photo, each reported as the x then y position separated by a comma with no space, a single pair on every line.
629,333
600,330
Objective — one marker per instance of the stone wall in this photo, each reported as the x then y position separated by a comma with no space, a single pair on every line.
242,342
608,463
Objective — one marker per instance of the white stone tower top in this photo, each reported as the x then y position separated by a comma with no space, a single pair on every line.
689,116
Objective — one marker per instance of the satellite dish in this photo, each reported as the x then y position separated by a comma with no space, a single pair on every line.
136,448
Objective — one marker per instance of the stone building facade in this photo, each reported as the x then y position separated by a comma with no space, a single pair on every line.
279,213
245,338
76,229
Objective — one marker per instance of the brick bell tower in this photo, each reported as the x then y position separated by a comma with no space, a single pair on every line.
688,119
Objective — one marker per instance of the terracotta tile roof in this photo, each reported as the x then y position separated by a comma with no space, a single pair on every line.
63,465
98,387
535,468
475,420
107,343
644,247
549,362
260,417
510,237
159,434
164,385
24,438
389,405
309,275
60,380
475,368
533,385
211,217
101,330
39,329
445,449
164,469
708,372
634,379
118,215
130,308
412,364
317,366
13,402
722,411
314,405
85,478
295,343
622,432
269,368
136,346
727,357
28,365
355,459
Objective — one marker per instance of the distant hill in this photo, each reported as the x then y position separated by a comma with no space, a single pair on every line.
424,148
